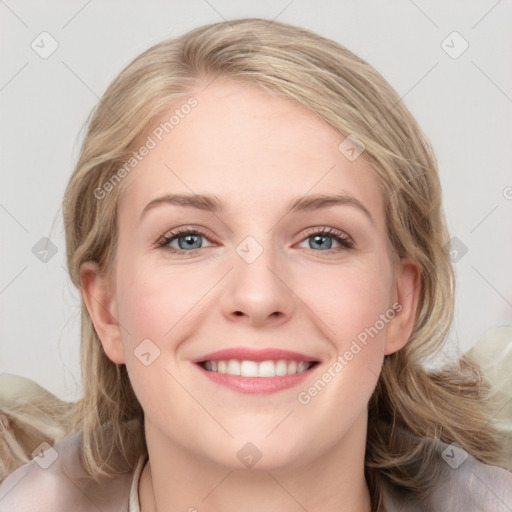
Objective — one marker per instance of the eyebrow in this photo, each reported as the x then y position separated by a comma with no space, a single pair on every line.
214,203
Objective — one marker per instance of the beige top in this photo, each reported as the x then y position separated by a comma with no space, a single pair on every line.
55,482
134,505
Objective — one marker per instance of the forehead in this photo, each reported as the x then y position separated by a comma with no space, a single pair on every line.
248,147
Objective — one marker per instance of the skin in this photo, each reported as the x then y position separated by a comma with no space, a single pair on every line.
256,152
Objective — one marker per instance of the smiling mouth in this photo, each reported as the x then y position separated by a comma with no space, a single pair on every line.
248,368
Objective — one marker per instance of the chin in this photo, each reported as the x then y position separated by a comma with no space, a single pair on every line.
277,453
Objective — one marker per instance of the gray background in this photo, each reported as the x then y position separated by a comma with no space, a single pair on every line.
463,104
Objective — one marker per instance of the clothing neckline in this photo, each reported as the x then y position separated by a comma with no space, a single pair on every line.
134,503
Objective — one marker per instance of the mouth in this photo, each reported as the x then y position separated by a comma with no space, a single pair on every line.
248,368
251,371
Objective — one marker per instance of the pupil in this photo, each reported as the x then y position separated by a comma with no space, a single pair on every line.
321,241
189,241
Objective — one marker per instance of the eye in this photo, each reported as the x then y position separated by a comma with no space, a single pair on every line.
323,239
187,240
183,240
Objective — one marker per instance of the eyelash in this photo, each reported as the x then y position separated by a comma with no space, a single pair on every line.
343,239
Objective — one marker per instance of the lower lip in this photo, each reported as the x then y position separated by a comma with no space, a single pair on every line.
256,384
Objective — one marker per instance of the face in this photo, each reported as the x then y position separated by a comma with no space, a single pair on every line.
263,277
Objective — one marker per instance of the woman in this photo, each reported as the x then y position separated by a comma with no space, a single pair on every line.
255,225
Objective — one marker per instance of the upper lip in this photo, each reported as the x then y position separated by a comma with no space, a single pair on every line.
251,354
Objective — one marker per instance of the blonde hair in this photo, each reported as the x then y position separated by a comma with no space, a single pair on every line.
347,93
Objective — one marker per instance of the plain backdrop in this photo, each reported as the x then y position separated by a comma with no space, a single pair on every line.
461,99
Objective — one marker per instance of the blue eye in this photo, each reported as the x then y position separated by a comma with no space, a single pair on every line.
187,240
322,239
190,241
322,242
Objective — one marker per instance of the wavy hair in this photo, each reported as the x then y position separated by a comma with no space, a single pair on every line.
411,407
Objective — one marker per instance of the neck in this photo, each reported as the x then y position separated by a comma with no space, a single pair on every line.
174,480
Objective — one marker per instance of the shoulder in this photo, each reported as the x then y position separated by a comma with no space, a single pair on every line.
472,485
55,482
465,484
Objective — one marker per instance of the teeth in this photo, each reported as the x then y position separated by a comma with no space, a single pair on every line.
257,369
249,369
281,368
267,369
302,367
233,367
223,366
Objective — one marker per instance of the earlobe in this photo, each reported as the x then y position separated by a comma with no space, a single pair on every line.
408,285
101,305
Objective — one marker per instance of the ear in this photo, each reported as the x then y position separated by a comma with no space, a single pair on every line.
101,305
407,294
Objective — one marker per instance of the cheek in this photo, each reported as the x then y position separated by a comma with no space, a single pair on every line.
159,306
354,307
347,300
153,300
350,302
153,307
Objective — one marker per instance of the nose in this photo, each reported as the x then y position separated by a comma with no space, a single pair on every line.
257,292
